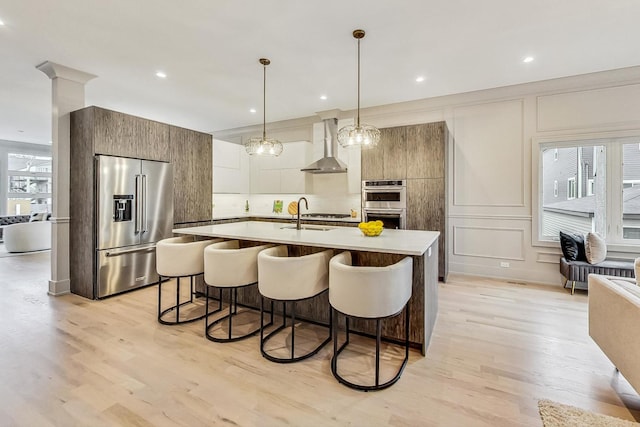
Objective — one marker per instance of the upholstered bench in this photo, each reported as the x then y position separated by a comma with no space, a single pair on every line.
578,271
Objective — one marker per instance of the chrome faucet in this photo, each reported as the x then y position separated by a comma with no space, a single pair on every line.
306,205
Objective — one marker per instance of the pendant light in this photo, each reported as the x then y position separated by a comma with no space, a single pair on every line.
261,145
359,135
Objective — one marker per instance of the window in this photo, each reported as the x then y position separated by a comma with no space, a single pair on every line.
590,186
602,193
29,184
630,192
571,188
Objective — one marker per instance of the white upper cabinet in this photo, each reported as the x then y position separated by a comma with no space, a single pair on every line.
230,168
275,175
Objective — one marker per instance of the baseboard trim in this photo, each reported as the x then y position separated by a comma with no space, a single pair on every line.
59,287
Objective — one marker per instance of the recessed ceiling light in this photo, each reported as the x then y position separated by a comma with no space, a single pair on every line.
161,74
528,59
253,111
1,23
420,79
323,97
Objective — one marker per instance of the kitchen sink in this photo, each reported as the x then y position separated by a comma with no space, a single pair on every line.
307,227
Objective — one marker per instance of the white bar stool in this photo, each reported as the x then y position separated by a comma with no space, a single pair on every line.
369,293
178,257
226,265
284,278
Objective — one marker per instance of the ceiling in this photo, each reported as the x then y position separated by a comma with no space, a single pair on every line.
209,50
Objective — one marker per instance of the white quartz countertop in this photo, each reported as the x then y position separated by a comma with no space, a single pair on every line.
405,242
282,216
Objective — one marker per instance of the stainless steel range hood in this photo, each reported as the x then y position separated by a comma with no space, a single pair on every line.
328,163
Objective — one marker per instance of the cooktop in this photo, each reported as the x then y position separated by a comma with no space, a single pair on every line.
324,215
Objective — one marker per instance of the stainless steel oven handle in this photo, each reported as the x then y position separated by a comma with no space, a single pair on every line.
385,215
130,251
385,190
377,211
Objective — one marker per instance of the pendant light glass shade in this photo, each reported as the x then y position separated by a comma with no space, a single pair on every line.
360,134
261,145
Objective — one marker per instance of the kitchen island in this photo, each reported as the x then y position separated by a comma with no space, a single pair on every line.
386,249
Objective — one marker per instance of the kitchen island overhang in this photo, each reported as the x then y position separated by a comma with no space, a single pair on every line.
388,248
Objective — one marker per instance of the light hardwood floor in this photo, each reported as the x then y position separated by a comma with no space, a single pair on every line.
498,348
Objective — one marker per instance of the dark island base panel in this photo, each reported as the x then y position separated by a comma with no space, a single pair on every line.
317,309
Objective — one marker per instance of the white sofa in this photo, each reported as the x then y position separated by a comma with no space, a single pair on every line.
614,315
27,236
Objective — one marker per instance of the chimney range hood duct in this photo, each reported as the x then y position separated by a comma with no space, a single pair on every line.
328,163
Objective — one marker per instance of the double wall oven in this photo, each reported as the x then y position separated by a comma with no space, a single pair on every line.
385,200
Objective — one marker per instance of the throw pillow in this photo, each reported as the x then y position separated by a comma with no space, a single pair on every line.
36,216
636,266
595,248
572,246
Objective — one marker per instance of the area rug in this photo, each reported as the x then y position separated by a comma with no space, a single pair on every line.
555,414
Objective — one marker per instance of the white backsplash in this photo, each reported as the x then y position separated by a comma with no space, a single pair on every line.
262,204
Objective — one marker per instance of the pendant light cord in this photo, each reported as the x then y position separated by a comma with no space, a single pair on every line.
358,115
264,102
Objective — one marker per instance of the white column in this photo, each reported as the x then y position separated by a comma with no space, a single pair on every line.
67,87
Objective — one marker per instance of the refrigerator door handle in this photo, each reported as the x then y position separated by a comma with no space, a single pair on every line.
130,251
138,213
144,225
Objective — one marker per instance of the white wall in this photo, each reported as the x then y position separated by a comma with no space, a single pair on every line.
492,171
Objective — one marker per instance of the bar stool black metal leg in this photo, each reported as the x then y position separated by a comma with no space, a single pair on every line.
378,336
178,300
191,289
231,294
159,296
284,313
206,308
293,328
262,317
347,328
271,311
406,331
334,333
235,298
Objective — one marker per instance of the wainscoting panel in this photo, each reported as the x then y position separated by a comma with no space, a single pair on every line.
488,163
549,257
489,242
614,106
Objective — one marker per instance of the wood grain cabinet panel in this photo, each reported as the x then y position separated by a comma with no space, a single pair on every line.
371,162
425,150
191,156
426,210
95,131
394,161
119,134
417,153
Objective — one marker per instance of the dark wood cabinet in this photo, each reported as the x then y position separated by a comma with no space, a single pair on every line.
95,131
417,153
426,150
191,156
118,134
426,210
394,159
371,161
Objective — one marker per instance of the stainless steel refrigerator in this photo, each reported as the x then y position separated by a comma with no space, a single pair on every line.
134,211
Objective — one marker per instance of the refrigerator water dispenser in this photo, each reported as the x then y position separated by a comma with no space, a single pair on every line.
122,207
